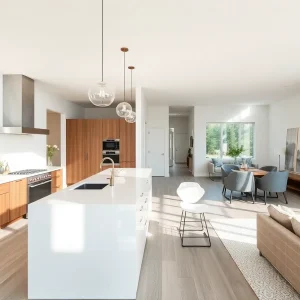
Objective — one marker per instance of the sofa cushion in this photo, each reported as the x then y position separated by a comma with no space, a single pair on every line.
296,224
218,170
281,216
217,162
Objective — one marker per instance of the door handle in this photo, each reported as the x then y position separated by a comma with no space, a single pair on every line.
162,154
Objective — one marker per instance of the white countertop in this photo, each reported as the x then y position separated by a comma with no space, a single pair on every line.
129,184
9,178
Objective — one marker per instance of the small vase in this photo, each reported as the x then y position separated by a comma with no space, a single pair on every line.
50,164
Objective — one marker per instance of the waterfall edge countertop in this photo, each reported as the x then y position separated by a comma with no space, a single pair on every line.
89,244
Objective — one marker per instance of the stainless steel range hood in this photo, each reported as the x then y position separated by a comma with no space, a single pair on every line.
18,106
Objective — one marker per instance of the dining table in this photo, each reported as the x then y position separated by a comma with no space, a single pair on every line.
256,172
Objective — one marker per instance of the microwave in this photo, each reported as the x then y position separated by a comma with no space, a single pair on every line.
111,145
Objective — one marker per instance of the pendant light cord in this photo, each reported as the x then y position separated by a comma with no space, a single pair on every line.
124,74
131,85
102,39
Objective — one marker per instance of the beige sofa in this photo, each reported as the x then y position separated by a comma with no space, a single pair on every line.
216,171
280,247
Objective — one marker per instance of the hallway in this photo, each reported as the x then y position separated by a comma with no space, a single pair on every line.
180,170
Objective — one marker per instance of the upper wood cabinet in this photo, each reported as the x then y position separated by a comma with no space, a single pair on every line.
18,198
111,129
127,141
4,204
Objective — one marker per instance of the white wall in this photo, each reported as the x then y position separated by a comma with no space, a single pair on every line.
54,137
100,113
180,124
236,113
141,120
158,117
283,115
29,151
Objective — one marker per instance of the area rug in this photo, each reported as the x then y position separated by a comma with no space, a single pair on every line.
239,238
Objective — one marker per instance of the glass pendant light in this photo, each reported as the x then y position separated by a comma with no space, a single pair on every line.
99,94
124,109
131,118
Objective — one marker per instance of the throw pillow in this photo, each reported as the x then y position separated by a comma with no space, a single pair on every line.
217,162
296,224
282,217
249,161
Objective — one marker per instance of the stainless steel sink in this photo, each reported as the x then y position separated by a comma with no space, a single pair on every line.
91,186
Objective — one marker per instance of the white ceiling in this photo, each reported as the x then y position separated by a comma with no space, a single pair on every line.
185,52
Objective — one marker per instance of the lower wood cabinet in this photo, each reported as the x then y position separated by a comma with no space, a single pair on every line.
57,181
18,198
13,201
4,204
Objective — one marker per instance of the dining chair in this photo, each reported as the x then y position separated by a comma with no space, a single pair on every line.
239,181
269,168
190,193
226,170
273,182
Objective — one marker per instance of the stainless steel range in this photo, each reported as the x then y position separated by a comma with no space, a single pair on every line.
39,186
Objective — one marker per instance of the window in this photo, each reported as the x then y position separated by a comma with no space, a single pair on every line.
222,136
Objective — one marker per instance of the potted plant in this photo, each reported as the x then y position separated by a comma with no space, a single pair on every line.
2,167
51,149
235,152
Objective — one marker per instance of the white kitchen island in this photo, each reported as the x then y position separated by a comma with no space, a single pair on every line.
89,244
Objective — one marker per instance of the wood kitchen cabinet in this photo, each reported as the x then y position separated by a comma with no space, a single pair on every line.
111,129
93,146
57,181
75,151
4,204
84,149
84,145
127,144
13,201
18,198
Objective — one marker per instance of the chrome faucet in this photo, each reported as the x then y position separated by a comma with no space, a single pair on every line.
112,178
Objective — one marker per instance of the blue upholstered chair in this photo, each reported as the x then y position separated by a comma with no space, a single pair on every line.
226,170
269,168
242,182
273,182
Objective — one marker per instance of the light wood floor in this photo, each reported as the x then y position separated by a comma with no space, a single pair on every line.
169,272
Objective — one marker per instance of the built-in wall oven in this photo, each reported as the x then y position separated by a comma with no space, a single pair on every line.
111,145
114,155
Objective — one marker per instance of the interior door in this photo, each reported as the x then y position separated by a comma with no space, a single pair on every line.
156,151
181,147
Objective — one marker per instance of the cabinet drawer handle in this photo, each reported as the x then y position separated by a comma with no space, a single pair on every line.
141,219
142,195
146,200
146,222
141,208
